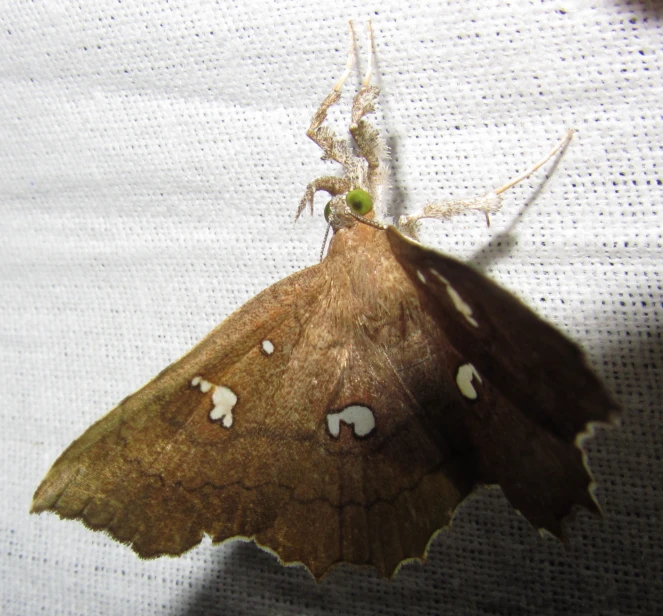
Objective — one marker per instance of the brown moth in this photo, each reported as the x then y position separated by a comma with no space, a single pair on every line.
345,413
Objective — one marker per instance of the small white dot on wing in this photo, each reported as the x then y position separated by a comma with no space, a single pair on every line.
464,381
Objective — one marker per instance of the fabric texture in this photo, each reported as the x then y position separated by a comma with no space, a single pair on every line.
153,156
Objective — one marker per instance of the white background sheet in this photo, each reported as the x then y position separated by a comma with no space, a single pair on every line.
153,154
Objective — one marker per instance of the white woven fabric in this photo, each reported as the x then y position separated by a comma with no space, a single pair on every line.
153,156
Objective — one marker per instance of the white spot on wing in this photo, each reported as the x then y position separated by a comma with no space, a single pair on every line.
421,276
361,419
464,381
457,300
267,347
223,399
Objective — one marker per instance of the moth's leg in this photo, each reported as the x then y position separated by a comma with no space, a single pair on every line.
323,136
331,184
488,203
368,140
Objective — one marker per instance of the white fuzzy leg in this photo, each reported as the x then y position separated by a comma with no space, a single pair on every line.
488,203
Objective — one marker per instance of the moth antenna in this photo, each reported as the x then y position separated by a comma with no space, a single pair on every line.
349,65
371,48
366,221
523,176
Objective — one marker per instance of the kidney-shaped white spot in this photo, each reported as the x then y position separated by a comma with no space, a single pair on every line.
361,419
464,381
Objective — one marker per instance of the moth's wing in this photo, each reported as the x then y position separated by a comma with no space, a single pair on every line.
158,471
530,397
171,463
162,469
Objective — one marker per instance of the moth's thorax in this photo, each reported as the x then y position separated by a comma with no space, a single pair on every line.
361,256
348,241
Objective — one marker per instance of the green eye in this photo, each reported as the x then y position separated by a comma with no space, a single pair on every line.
360,201
328,211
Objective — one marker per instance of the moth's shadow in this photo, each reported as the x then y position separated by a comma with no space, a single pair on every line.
250,581
654,7
395,207
500,246
253,582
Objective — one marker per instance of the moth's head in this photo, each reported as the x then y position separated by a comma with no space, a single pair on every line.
348,209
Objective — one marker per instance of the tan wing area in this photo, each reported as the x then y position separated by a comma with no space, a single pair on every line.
157,472
235,440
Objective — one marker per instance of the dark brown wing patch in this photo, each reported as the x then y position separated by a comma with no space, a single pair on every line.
538,395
